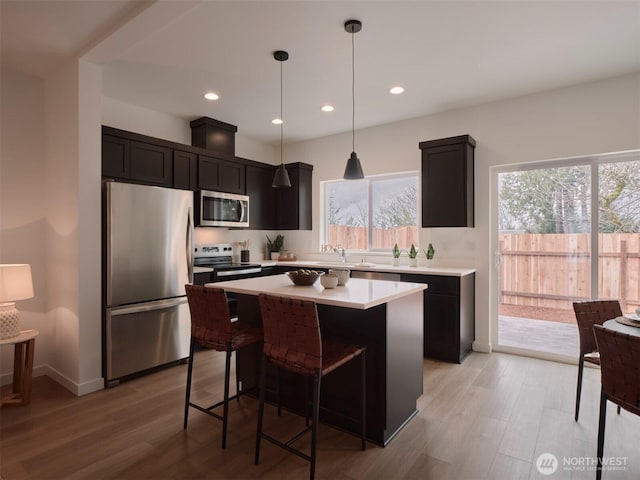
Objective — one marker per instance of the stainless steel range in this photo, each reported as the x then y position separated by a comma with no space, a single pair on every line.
219,257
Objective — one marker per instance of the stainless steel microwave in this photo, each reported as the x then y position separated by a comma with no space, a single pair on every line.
217,209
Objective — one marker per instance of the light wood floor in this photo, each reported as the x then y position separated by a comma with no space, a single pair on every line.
489,418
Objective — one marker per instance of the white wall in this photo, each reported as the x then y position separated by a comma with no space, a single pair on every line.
22,219
134,118
581,120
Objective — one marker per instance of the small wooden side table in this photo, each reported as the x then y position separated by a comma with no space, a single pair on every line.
25,344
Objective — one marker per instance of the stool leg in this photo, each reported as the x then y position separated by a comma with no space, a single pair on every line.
363,398
237,381
306,401
225,414
279,396
188,393
263,383
314,425
579,386
601,427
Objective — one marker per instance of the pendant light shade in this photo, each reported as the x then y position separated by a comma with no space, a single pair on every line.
353,170
281,177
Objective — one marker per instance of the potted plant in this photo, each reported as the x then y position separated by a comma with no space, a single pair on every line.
274,246
413,254
396,255
429,253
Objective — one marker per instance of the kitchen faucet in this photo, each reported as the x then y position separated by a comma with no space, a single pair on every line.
342,252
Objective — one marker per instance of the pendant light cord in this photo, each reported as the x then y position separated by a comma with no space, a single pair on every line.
353,95
281,118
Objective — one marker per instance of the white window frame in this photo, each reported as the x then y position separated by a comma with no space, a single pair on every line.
371,179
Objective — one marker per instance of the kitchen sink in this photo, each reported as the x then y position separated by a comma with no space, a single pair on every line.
344,265
333,264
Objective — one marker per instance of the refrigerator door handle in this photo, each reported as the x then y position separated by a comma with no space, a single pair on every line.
190,244
147,307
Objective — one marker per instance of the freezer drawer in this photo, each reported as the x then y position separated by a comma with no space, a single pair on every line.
142,336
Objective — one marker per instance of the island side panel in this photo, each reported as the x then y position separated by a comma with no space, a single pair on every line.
404,341
340,391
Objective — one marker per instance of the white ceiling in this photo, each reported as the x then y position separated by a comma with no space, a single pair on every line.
447,54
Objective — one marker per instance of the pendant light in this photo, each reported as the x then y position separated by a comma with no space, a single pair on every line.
353,171
281,178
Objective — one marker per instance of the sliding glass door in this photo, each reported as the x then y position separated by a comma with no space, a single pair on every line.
566,232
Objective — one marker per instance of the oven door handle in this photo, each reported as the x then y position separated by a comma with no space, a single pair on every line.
246,271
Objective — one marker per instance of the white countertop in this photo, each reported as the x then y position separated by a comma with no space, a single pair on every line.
370,267
357,293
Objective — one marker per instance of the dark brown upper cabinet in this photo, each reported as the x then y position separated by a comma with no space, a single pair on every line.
152,164
447,182
115,157
185,170
214,135
294,204
262,197
220,175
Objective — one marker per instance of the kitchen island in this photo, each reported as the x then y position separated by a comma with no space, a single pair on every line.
385,316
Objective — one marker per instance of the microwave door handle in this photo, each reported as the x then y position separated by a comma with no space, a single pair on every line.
241,210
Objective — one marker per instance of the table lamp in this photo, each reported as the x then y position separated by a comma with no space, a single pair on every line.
15,284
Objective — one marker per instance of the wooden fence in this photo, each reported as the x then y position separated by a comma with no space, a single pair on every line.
553,270
357,237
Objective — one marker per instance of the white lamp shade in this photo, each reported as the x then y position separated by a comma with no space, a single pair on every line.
15,282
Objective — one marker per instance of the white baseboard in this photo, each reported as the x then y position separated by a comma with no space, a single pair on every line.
481,347
77,389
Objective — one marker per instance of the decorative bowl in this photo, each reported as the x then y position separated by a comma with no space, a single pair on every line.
342,274
304,277
329,281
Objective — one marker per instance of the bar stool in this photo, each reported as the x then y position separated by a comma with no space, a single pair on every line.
588,314
619,376
292,341
211,327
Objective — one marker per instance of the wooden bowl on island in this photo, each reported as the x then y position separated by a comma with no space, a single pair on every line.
304,277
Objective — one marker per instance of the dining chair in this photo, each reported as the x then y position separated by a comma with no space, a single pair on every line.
620,377
293,342
588,314
212,328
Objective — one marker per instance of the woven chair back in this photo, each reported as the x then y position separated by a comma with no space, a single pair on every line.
620,367
291,333
592,313
210,318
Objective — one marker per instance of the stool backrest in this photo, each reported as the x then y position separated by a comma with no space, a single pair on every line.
291,333
210,317
592,313
620,367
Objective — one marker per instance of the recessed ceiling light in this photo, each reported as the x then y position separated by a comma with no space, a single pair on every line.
327,108
277,121
211,96
396,90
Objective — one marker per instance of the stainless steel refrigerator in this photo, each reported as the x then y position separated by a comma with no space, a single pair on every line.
148,235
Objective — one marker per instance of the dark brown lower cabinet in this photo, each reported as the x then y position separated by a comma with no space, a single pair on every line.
449,315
